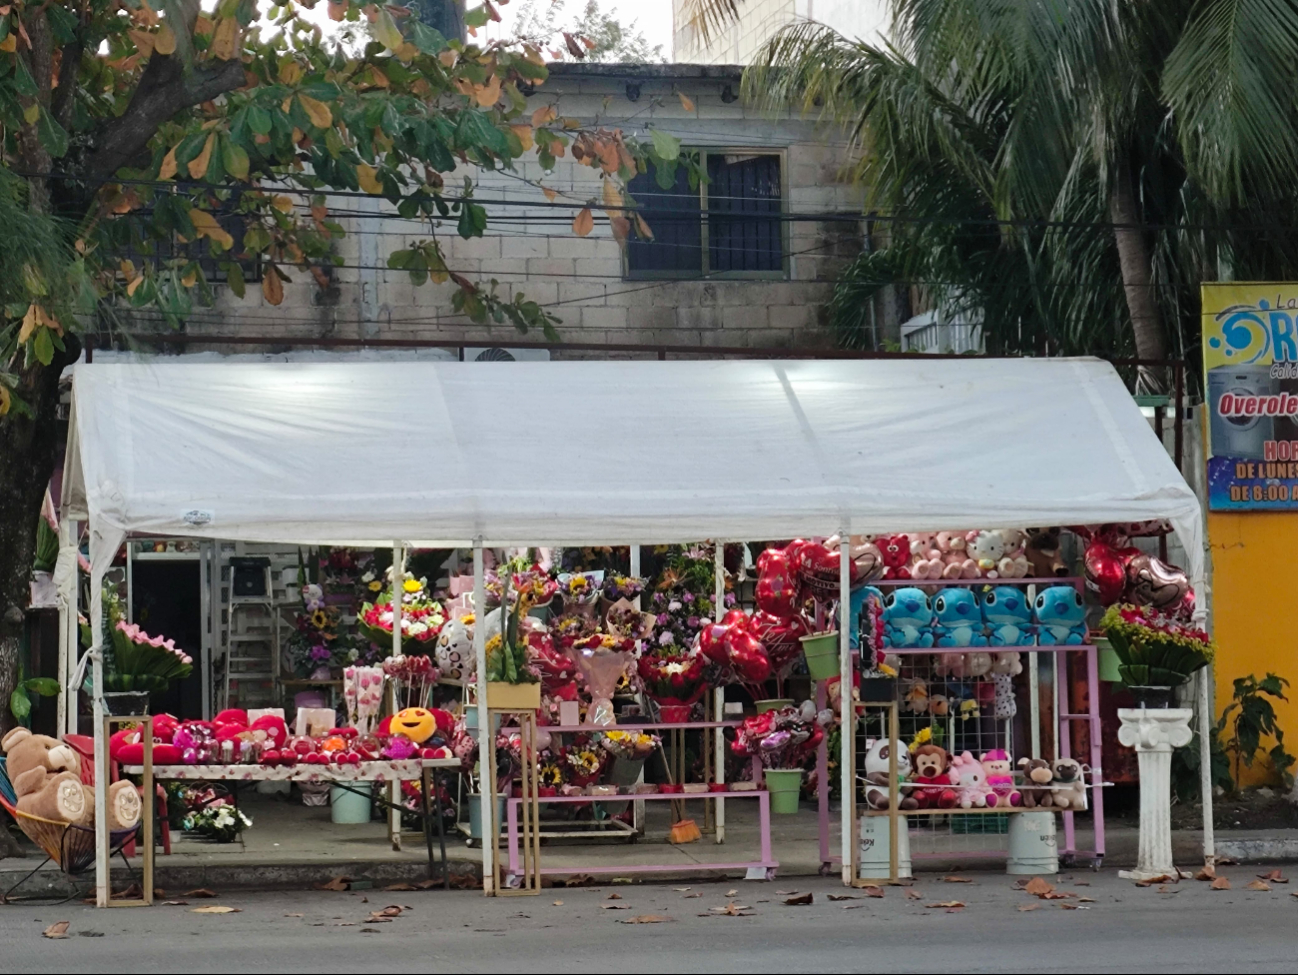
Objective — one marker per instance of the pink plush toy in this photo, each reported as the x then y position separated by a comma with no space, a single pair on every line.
970,782
273,728
1000,778
953,547
1014,563
399,748
926,557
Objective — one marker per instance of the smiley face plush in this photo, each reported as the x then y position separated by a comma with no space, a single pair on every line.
417,724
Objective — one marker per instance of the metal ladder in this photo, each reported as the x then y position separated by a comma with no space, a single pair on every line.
242,665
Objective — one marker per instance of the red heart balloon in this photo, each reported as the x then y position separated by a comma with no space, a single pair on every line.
1106,572
736,618
747,657
712,641
771,555
777,587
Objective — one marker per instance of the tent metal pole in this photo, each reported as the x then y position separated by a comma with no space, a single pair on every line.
1205,763
845,694
67,598
102,876
398,605
486,737
719,694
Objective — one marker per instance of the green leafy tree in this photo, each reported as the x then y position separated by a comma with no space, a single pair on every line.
596,35
1070,169
127,129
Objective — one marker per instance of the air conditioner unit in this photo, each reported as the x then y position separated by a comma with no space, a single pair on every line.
498,353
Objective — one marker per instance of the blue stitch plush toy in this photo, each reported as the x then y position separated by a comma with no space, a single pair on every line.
959,623
907,618
1008,616
1061,616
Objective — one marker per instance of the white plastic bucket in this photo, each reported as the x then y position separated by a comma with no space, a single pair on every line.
349,807
1033,849
875,847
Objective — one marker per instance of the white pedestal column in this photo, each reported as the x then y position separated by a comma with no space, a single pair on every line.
1154,732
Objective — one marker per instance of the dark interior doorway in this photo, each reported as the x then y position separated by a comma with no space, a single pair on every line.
166,599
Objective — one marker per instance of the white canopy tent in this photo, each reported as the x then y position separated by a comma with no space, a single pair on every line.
608,452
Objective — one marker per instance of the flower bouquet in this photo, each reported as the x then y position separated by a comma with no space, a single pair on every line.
603,659
1154,650
629,745
528,581
219,821
624,620
363,695
583,765
580,592
672,675
422,617
413,675
618,586
140,662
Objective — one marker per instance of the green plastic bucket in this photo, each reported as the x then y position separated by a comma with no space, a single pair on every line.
1106,660
346,806
773,704
821,651
784,786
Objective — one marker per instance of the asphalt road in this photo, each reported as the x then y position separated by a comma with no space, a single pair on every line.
1186,927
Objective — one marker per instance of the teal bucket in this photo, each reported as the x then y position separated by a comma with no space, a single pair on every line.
821,651
475,815
347,807
784,786
1106,660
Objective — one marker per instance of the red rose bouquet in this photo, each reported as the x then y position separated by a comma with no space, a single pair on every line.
672,675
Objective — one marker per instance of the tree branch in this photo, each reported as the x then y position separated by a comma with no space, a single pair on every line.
163,91
64,100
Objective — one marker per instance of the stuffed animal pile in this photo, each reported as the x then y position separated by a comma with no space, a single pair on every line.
45,774
997,616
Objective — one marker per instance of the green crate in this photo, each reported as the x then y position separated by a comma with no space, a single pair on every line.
983,823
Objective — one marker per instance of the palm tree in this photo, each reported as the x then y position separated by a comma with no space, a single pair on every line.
1071,168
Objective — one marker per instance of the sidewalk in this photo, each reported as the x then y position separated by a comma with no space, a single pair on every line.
296,846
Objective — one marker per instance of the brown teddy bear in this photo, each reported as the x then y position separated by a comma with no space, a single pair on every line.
45,776
1071,774
933,771
1036,772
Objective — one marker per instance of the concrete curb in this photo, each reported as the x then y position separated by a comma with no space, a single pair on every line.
1258,850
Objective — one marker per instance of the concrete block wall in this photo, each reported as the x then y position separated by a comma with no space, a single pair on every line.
530,247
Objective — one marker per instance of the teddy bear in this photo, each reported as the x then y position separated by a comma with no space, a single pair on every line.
1014,563
933,774
44,773
1068,772
896,556
1060,615
970,780
1007,615
926,558
986,549
959,621
916,701
876,776
955,555
938,705
1000,778
1006,665
907,618
1042,553
1037,777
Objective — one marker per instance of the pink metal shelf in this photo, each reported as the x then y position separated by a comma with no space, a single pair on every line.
639,726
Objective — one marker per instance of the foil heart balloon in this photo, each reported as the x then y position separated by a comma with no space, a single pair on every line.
735,618
747,657
1106,572
780,638
867,560
712,641
1152,582
777,586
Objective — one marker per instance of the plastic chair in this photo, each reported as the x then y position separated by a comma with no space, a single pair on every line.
84,746
70,845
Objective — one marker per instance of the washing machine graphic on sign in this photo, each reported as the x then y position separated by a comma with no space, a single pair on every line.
1241,437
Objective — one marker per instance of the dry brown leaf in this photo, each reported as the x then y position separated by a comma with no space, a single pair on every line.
853,907
686,897
168,168
1056,895
338,883
686,102
854,897
1168,890
583,223
317,111
1162,878
1069,907
293,915
949,905
912,894
616,907
198,165
1036,886
1275,877
647,919
224,38
216,909
957,880
613,897
179,904
732,892
732,909
1208,872
1086,900
200,892
1221,883
558,903
272,289
800,900
396,887
164,42
1257,885
873,891
59,929
1028,907
687,888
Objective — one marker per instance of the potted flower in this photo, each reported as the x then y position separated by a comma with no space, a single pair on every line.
1155,652
672,677
782,741
135,663
422,617
513,682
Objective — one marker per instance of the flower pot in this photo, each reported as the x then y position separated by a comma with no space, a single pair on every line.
1107,660
671,789
821,651
784,786
513,697
718,787
878,689
773,704
125,704
1152,696
674,713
